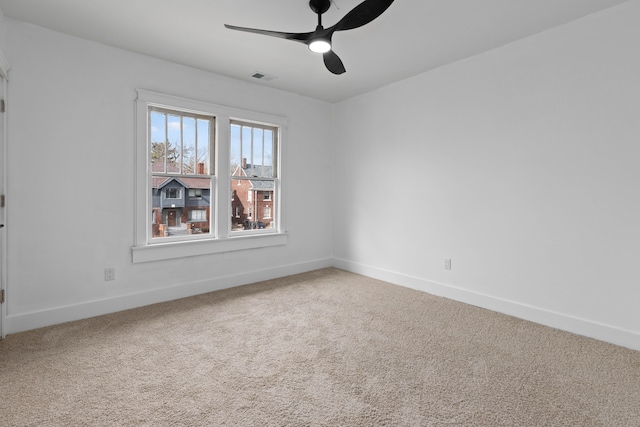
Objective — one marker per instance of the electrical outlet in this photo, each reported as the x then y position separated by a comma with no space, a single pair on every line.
447,263
109,273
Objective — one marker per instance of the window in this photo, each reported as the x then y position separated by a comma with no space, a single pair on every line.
198,215
172,193
179,144
176,139
267,212
254,168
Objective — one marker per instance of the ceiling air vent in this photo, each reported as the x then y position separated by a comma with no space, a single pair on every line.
262,76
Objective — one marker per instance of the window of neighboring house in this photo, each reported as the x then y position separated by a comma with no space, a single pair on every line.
172,193
266,195
198,215
176,139
254,164
267,212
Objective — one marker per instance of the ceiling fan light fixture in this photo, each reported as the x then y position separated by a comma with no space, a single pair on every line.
320,45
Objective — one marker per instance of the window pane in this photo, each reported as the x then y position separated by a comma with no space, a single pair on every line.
251,211
252,148
188,145
247,152
174,142
179,145
202,146
268,147
158,144
177,210
258,149
235,149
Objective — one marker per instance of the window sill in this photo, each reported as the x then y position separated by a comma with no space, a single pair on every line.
164,251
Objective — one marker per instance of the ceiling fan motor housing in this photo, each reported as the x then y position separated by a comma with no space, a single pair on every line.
320,6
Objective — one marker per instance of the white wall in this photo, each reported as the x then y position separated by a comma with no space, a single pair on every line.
521,165
70,180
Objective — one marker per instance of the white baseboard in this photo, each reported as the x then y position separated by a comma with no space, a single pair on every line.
38,319
584,327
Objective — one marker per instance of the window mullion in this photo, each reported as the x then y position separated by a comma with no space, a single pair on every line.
222,178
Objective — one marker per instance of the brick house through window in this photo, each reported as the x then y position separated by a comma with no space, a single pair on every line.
252,199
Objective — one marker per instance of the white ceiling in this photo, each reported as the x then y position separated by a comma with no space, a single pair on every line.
411,37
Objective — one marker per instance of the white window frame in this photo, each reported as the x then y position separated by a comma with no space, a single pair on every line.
220,239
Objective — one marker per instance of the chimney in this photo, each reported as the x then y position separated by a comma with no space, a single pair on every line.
244,163
200,170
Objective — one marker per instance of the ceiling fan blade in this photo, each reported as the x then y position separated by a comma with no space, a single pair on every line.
333,62
362,14
299,37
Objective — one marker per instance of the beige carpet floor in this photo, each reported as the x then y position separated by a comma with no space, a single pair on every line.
325,348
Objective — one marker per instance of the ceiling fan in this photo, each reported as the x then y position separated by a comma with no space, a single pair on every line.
319,41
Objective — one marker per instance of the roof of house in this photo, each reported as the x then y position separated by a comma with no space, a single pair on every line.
258,171
187,182
162,181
